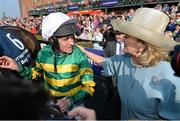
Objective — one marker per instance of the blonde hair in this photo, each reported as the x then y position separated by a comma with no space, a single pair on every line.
153,55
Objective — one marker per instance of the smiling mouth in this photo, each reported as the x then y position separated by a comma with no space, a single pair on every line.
70,49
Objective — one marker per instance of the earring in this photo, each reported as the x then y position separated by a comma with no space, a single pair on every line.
138,53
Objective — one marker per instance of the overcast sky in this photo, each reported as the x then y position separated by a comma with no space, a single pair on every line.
9,8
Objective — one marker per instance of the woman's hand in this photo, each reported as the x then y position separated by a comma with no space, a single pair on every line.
96,58
82,48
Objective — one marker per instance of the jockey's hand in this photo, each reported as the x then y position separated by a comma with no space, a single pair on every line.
9,63
63,104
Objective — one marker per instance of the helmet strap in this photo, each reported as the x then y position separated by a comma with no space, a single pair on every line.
56,48
55,44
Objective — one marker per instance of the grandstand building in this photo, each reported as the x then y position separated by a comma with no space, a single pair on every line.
36,5
44,7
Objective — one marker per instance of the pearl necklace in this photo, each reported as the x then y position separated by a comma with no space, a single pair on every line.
135,65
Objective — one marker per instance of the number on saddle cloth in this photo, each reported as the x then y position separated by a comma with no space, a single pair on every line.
18,44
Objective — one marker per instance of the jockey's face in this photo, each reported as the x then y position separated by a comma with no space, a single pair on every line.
66,43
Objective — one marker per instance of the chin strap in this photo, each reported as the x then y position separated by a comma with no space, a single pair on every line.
55,44
56,48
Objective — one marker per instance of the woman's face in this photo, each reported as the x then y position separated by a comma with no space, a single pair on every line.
133,46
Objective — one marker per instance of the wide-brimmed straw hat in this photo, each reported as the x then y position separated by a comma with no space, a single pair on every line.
147,25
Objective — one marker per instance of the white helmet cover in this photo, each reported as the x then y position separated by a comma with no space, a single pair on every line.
52,22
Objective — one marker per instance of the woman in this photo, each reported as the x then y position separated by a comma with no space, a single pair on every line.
146,84
98,37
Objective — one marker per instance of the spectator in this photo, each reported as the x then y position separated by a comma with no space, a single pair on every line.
130,14
172,24
106,19
115,47
113,15
178,16
101,22
176,32
33,29
108,35
86,34
95,22
98,37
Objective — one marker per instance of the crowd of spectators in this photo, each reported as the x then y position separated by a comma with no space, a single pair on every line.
89,23
85,4
31,24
